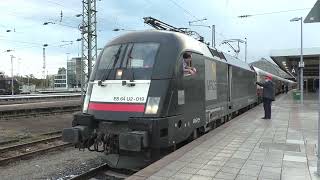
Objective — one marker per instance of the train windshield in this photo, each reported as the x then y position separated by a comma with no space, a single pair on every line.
134,57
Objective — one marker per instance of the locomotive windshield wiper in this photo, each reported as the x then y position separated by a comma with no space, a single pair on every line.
129,57
106,74
132,79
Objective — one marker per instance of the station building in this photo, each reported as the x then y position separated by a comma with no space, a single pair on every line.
60,79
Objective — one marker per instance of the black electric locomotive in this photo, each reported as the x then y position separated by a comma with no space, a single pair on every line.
140,100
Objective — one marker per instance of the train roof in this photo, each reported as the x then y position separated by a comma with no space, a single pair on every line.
186,42
262,72
236,62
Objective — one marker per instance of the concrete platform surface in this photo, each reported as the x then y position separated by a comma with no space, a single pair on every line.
249,147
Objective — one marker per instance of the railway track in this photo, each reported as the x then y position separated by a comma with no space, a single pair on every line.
39,111
103,172
30,149
26,138
32,99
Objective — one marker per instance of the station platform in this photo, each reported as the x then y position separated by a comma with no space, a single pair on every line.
248,147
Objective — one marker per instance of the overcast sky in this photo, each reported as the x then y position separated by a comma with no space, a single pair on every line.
25,20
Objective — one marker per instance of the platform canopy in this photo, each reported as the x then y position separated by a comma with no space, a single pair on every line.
314,14
288,60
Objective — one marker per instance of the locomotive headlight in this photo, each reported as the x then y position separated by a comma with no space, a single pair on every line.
119,74
87,98
86,103
152,105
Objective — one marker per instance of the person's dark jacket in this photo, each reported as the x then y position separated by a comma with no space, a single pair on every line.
268,89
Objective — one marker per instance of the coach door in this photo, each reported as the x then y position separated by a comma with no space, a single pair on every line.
193,92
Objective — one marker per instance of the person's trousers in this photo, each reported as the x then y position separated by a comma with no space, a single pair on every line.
267,107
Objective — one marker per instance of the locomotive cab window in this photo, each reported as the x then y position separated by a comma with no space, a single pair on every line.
140,55
187,66
110,57
135,61
137,55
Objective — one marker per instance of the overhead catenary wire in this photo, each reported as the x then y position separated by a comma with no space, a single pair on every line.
63,16
32,26
58,44
61,5
66,25
28,42
25,47
17,14
22,42
101,30
274,12
193,16
185,10
21,15
56,22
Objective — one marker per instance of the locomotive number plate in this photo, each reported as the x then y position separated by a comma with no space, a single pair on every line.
128,99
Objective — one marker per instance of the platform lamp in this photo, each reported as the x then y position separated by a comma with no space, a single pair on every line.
12,86
11,57
301,64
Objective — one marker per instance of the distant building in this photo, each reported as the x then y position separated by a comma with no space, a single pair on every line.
60,79
50,79
62,70
74,72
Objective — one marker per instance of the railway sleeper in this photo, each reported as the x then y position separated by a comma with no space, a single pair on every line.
38,112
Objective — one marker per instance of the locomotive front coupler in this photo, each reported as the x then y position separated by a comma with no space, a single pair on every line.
82,130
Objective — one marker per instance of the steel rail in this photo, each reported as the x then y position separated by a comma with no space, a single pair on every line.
31,154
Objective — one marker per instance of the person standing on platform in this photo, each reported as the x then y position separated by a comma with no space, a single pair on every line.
268,95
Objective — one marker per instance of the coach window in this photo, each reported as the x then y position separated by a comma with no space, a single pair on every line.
187,67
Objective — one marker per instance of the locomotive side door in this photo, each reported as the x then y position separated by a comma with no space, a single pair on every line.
191,94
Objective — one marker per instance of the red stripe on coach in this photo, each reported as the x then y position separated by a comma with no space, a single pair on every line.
117,107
